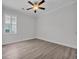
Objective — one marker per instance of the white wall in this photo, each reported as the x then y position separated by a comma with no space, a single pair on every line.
25,26
59,26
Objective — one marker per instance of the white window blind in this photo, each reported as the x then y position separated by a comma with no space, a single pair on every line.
10,24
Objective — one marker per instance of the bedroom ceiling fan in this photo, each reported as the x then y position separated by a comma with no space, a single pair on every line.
36,6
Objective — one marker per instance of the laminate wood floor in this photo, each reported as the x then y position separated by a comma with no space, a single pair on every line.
37,49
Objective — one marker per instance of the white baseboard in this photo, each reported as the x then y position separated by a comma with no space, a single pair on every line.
72,46
5,43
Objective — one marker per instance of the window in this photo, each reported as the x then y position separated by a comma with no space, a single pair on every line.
10,24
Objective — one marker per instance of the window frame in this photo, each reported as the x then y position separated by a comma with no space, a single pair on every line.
10,24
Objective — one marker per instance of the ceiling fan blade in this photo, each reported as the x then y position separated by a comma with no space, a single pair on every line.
42,8
30,2
42,2
29,8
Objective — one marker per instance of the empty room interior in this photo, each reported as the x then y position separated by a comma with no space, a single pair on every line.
39,29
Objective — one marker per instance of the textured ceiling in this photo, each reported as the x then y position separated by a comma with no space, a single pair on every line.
49,5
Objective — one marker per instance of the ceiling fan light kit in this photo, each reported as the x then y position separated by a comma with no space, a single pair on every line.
36,6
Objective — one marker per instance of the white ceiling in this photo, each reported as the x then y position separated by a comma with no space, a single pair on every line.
49,5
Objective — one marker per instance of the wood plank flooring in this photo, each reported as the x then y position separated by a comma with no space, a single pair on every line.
37,49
